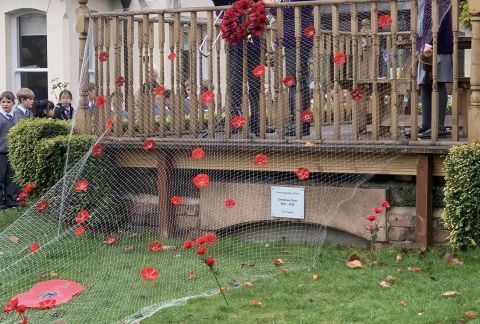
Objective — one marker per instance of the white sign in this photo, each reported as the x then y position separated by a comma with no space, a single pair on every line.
288,202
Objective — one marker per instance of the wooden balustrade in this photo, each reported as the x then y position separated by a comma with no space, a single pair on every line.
380,62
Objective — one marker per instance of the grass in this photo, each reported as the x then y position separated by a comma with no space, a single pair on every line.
8,216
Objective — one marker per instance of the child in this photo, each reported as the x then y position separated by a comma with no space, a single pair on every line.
7,121
25,98
43,109
64,109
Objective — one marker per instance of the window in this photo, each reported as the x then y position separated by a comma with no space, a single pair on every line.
30,54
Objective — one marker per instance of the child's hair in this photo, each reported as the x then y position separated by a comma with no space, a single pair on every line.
25,93
7,95
167,93
65,92
40,106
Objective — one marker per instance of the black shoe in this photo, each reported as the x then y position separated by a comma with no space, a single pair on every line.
11,204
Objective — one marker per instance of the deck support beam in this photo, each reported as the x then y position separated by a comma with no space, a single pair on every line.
424,211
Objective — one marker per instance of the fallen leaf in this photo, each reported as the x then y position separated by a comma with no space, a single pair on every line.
128,249
353,257
224,288
246,265
384,284
169,247
399,258
278,262
450,294
316,277
234,283
448,256
13,239
192,276
402,302
284,270
247,284
391,279
471,315
355,264
455,261
53,274
414,269
255,302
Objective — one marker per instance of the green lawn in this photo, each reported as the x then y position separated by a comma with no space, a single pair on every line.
7,216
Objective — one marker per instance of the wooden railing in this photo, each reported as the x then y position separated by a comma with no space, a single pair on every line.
380,62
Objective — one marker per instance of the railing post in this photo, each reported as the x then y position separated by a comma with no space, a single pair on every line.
82,121
474,109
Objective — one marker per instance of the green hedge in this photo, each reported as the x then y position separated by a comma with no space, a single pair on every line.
461,215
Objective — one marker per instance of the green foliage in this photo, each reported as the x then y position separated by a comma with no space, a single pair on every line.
461,215
464,15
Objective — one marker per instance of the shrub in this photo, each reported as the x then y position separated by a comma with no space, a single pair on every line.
461,215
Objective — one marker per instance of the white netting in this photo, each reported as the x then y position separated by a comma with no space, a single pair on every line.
353,83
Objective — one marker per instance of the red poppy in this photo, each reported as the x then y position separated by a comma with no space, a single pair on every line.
29,187
22,203
377,210
21,309
172,56
109,123
24,320
261,159
119,81
80,230
110,239
259,71
47,303
201,240
160,90
82,216
201,180
187,244
201,250
207,97
149,273
238,122
385,21
34,247
97,150
100,101
42,206
155,246
385,204
371,228
302,173
289,81
309,32
176,200
339,58
102,56
229,203
371,218
149,145
210,238
22,196
210,261
10,306
306,116
357,94
198,153
81,186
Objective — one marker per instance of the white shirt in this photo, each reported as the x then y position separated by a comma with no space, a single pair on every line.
4,113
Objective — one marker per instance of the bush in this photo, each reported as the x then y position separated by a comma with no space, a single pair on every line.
461,215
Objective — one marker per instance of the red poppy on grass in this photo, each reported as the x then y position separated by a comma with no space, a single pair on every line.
110,239
100,101
339,58
102,56
238,122
201,240
210,238
198,153
149,273
309,32
21,309
155,246
371,218
97,150
42,206
79,230
10,306
377,210
22,196
385,204
24,320
259,71
109,123
302,173
120,81
210,261
306,116
81,186
176,200
261,159
201,180
207,97
29,187
201,250
47,303
172,56
289,81
187,244
385,21
149,145
34,247
22,203
82,216
229,203
357,94
160,90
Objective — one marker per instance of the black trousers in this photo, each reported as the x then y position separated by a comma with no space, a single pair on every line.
8,188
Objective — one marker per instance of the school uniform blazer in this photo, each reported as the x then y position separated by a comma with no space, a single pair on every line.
18,113
60,112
